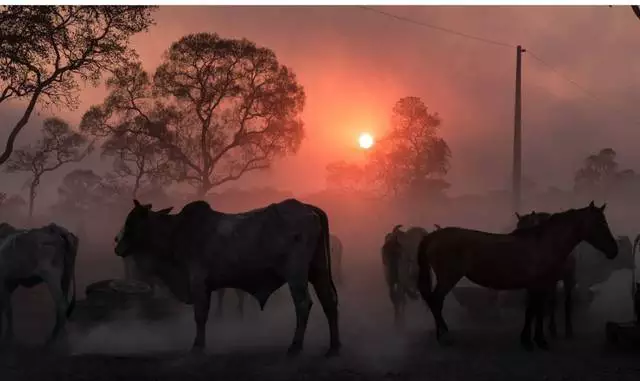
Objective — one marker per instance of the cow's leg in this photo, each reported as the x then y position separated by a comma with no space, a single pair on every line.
541,301
201,305
328,297
220,304
53,280
302,302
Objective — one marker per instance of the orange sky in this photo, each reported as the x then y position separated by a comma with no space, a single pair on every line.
354,64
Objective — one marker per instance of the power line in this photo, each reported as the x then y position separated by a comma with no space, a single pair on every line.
439,28
550,67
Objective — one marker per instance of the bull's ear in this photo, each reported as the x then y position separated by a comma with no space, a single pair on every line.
591,204
603,206
136,203
165,210
518,216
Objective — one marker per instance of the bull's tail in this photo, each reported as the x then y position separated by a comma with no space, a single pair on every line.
69,272
424,268
325,241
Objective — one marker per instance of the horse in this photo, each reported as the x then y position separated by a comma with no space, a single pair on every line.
584,268
29,257
528,258
399,262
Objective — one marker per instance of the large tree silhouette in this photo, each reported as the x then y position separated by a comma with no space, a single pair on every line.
218,108
46,50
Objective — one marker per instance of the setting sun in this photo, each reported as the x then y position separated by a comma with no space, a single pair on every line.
365,141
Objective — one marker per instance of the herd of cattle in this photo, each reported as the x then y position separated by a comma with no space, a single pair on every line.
199,250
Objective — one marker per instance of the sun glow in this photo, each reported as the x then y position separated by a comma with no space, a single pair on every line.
365,140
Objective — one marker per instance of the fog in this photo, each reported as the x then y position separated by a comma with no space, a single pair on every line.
366,315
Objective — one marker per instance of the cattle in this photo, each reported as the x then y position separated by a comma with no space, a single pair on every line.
29,257
399,259
200,250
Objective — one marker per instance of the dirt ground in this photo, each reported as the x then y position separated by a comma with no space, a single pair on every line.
253,348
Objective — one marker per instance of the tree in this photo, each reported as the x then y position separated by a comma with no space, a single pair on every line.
44,50
597,172
346,176
58,146
411,158
82,190
218,108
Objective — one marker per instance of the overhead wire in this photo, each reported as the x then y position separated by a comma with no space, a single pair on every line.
528,51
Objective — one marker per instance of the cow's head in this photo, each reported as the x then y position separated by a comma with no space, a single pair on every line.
137,234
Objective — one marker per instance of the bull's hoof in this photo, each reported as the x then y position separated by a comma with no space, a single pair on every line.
445,339
568,334
294,350
197,350
553,332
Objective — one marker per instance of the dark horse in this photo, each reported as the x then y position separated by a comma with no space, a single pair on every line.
568,278
529,258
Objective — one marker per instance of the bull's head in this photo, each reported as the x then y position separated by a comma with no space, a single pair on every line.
137,232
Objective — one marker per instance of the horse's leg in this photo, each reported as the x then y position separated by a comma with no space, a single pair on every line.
541,300
525,335
569,283
220,304
240,294
398,301
201,305
436,302
552,302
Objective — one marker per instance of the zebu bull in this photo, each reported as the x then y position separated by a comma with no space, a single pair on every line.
29,257
399,259
335,246
584,268
200,250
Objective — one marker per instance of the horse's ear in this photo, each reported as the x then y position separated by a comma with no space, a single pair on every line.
603,206
136,203
166,210
591,204
518,216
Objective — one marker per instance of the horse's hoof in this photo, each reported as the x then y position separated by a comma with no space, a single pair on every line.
333,352
197,350
527,344
553,333
445,339
542,344
568,335
294,350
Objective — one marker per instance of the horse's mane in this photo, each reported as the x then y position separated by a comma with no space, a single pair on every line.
551,220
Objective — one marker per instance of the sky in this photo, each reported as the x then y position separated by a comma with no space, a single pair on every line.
355,64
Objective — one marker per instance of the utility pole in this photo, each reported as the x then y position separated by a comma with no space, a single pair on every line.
517,134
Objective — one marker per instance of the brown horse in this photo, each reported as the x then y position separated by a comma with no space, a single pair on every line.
529,258
568,278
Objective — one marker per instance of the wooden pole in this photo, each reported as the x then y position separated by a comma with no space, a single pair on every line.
517,135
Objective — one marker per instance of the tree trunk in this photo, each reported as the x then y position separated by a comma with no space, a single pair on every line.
32,200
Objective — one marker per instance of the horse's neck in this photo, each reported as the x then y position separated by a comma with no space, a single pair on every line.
560,239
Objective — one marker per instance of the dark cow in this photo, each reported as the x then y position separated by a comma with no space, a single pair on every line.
200,250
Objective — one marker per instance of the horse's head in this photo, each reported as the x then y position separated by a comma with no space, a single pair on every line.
138,229
595,229
532,219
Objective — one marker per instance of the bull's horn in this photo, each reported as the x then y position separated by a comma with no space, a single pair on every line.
396,228
437,226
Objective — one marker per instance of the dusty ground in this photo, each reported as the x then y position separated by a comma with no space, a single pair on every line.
254,348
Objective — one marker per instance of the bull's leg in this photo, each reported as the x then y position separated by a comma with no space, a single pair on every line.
328,298
220,304
541,299
240,294
201,305
302,302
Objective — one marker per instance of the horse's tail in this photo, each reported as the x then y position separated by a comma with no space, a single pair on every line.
69,271
424,267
